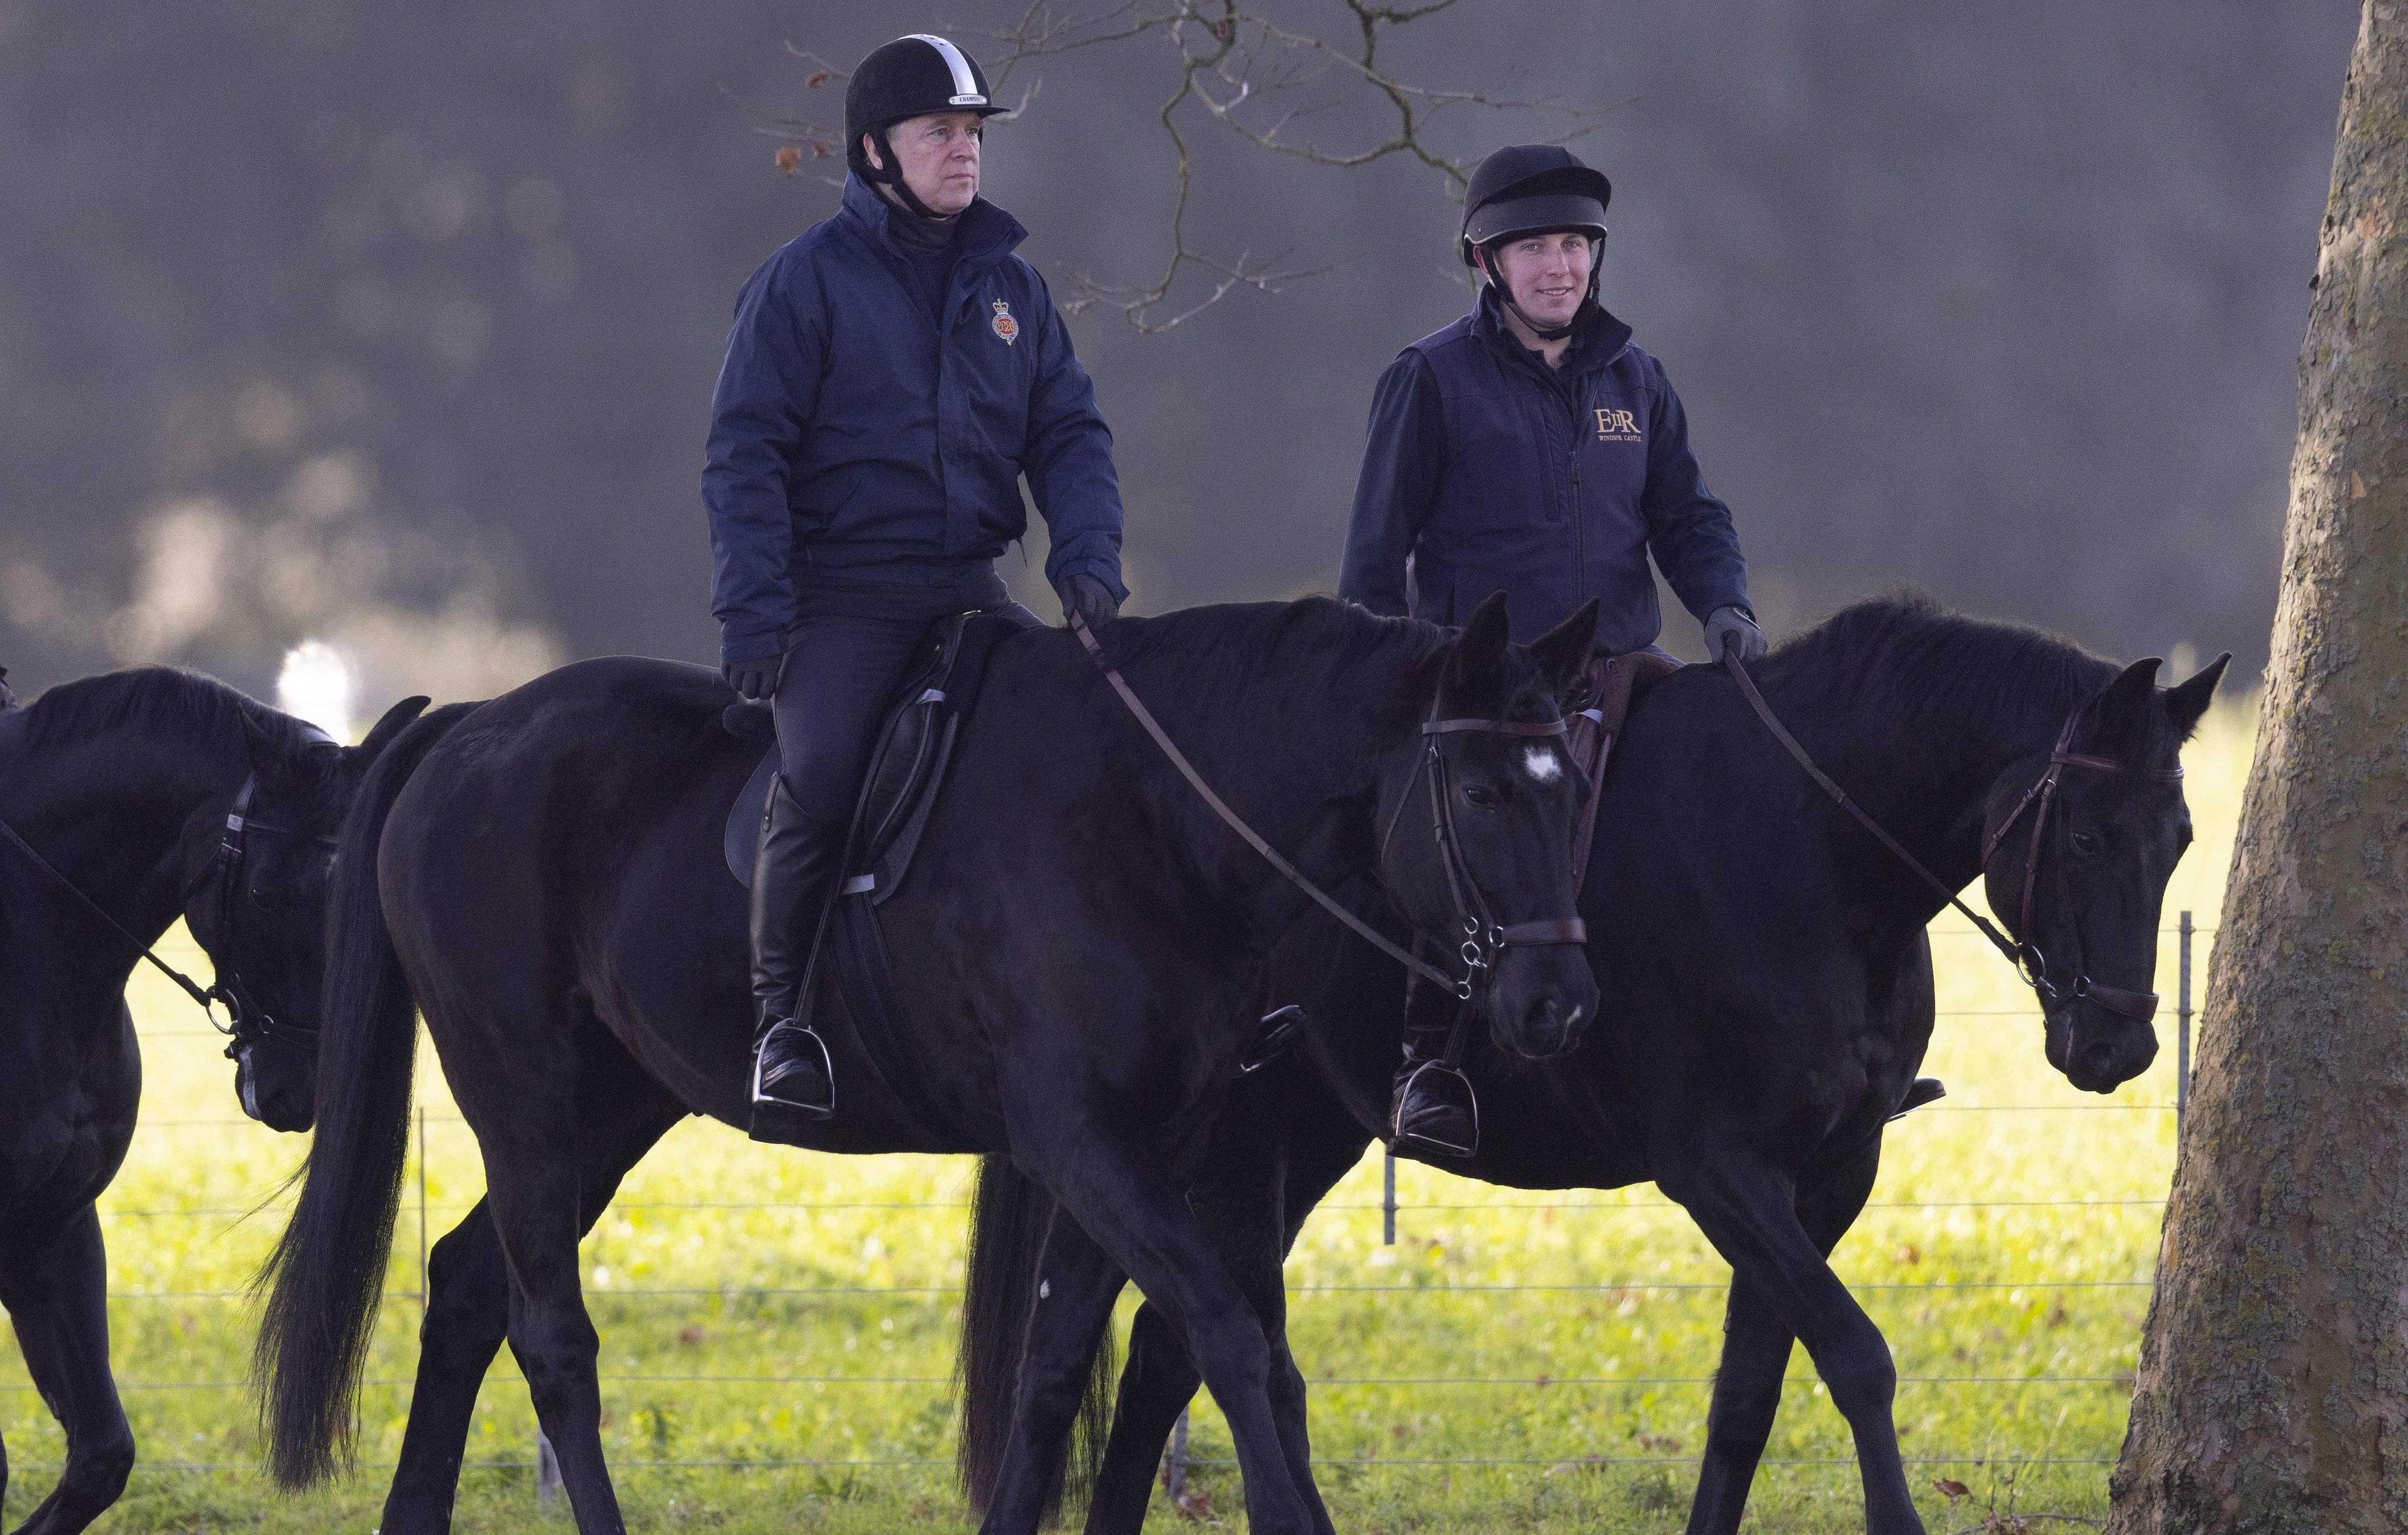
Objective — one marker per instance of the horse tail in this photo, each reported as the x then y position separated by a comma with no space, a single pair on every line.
327,1272
1009,1218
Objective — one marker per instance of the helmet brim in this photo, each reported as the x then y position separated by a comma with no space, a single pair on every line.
1510,218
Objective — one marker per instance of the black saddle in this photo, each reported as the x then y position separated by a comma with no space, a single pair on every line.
906,769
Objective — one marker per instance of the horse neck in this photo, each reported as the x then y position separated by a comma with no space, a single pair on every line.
1924,774
126,813
1296,753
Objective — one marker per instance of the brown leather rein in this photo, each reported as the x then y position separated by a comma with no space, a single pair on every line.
1483,940
2023,955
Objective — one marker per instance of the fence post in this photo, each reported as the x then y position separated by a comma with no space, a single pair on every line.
1174,1461
1388,1203
421,1209
547,1473
2182,1029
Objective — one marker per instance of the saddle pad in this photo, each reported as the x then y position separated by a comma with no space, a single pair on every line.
743,833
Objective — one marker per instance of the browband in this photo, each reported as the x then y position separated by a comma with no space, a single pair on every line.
1496,727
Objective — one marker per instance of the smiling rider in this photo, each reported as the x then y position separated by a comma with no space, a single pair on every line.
891,375
1529,447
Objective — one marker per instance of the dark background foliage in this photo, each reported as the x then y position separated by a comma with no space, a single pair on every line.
397,325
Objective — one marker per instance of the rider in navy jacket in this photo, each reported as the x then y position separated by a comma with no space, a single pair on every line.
1490,471
892,376
852,447
1529,447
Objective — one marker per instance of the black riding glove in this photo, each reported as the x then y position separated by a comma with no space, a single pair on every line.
1733,624
756,682
1088,597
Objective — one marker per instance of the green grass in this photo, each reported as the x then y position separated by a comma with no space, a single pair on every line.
1589,1403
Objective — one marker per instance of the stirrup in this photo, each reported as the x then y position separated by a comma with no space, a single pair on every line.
761,1094
1402,1139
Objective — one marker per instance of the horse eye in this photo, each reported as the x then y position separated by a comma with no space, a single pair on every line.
2085,842
1480,795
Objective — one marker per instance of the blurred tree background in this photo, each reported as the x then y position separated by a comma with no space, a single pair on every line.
396,326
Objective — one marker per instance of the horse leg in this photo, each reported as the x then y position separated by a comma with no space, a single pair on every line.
1078,1283
1144,1225
56,1293
520,1103
1158,1382
625,1113
1159,1379
1755,1356
1750,1213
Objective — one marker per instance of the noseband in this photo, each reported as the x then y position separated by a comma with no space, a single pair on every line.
1485,940
2023,955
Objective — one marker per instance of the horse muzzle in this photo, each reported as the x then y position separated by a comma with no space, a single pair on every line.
1543,1001
2098,1050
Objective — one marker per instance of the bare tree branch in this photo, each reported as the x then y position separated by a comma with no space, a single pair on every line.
1240,70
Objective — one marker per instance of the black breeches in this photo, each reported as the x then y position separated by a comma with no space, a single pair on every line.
841,673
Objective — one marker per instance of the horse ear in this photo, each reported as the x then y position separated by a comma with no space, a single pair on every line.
395,720
1562,651
1480,653
2121,710
2186,701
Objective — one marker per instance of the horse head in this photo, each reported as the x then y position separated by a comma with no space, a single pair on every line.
261,912
1476,818
2080,844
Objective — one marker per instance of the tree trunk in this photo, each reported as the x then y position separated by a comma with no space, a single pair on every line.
2273,1392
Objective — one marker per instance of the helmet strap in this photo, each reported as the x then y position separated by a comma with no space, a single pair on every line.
1505,293
893,176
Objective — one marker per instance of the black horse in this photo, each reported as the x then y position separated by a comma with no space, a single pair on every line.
1770,992
1069,956
118,791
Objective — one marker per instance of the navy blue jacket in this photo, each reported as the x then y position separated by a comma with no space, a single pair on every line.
853,446
1491,471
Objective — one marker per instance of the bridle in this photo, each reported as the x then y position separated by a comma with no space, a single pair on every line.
247,1023
1485,940
2139,1006
2020,951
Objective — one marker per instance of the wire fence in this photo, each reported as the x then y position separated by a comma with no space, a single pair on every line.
1391,1207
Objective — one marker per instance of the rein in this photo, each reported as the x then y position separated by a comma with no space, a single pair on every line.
2023,955
192,987
1484,941
245,1020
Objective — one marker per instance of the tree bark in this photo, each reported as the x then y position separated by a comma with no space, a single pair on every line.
2273,1390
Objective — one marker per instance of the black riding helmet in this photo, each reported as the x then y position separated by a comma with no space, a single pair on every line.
911,76
1532,188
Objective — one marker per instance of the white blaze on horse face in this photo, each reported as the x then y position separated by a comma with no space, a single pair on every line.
1541,763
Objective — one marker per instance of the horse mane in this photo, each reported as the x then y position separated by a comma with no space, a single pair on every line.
1905,659
163,698
1223,648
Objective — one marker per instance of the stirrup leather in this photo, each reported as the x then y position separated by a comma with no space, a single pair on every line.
1414,1080
790,1028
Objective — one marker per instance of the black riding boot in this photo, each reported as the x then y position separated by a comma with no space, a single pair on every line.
1435,1109
793,871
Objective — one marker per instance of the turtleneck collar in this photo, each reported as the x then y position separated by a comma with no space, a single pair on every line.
981,231
908,232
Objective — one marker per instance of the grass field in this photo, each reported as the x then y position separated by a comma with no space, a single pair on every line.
777,1327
